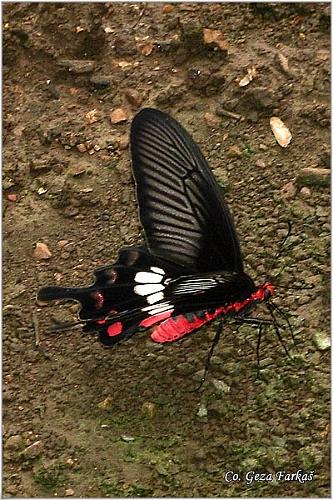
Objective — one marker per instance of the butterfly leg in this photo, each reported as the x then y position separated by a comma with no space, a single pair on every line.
210,354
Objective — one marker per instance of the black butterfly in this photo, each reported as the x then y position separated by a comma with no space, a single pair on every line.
190,269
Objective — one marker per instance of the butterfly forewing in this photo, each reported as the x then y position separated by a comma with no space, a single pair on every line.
181,206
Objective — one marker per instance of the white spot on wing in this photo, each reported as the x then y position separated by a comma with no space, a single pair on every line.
157,270
148,289
155,297
144,277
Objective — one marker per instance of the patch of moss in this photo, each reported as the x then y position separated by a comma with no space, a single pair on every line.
50,478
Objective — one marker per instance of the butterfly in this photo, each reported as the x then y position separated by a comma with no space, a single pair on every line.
189,270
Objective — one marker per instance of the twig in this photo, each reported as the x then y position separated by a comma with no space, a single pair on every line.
36,328
229,114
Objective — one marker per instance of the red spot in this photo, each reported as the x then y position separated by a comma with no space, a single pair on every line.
12,197
155,319
115,329
101,321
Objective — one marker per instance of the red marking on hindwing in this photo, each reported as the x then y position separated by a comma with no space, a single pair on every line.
155,319
115,329
175,328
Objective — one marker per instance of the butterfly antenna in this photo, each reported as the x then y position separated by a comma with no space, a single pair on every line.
276,326
210,354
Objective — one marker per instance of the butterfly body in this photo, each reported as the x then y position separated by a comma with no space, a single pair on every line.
190,269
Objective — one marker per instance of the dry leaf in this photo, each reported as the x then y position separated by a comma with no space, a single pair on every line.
215,37
281,132
251,73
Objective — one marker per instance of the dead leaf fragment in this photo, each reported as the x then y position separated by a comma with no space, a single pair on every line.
118,116
251,73
105,404
42,251
215,37
146,49
281,132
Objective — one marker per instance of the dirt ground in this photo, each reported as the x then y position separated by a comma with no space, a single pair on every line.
81,420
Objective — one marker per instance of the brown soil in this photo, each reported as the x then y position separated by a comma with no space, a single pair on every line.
152,436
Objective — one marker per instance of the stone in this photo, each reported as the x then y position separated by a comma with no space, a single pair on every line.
321,341
118,116
149,409
42,252
14,442
234,151
134,97
69,492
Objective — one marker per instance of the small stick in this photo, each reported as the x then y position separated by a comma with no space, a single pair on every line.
229,114
36,328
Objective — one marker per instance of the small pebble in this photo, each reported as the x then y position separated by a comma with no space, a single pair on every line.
14,442
202,411
133,97
235,151
12,197
127,439
69,492
288,191
42,251
321,341
118,116
92,116
260,163
305,192
220,386
81,148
